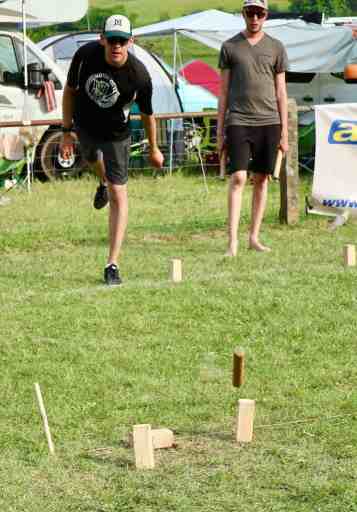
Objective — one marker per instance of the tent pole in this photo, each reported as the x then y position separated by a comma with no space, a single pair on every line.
25,114
172,121
24,33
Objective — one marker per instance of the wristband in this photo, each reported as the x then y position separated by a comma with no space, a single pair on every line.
67,130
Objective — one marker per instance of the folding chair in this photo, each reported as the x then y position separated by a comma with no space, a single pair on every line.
306,136
11,170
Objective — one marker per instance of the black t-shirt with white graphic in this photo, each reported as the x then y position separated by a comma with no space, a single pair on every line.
105,94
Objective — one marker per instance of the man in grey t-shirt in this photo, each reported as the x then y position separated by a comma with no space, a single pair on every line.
252,114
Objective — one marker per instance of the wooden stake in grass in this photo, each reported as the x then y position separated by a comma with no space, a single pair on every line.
44,418
143,447
349,254
223,163
238,367
245,421
176,270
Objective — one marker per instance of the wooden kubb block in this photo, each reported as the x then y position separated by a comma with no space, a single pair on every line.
245,421
143,447
176,270
349,255
161,438
238,367
145,440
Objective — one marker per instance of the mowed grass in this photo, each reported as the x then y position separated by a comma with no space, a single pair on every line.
161,353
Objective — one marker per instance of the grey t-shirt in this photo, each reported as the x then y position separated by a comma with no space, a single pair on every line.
252,96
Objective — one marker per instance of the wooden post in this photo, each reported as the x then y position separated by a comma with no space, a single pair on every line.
349,253
238,367
143,447
176,270
44,418
289,175
245,420
223,163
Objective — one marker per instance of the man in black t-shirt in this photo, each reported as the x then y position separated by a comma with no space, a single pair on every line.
103,82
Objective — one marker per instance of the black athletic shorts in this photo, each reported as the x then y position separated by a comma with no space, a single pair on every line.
115,155
253,147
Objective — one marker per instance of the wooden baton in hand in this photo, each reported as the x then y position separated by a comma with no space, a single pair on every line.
279,159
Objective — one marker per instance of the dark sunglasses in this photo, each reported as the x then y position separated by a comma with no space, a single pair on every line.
121,41
250,13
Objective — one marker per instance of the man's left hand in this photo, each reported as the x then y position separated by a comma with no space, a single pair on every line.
156,157
284,144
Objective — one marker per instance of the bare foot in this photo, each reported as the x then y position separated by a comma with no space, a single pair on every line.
231,251
257,246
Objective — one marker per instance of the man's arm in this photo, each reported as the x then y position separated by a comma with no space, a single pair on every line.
155,155
68,100
282,98
222,107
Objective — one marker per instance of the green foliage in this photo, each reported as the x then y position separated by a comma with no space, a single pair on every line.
353,6
328,7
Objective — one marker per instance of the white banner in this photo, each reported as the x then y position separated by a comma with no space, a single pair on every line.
335,175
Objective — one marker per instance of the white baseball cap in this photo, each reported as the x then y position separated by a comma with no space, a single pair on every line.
256,3
117,26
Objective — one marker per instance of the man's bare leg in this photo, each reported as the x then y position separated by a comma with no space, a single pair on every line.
259,199
99,170
235,192
118,219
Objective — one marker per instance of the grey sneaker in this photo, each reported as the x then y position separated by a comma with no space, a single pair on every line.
101,197
111,275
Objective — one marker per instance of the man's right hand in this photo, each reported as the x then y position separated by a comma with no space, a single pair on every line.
67,146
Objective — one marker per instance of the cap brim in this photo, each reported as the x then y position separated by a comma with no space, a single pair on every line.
117,33
255,5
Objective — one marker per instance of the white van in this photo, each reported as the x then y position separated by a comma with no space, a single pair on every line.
12,98
311,89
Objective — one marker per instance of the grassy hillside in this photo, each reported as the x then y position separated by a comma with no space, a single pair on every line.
150,11
143,12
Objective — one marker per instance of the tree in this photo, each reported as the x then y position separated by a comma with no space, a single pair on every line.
328,7
353,6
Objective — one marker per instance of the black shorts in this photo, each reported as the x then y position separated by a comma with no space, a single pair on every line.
259,143
115,155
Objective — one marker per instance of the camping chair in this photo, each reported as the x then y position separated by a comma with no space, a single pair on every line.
306,136
11,170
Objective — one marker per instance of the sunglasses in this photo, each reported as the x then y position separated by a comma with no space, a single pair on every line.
121,41
259,13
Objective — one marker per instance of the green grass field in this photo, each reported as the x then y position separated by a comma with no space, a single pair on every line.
159,353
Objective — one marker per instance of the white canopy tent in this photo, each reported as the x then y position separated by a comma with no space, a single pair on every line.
310,47
14,12
40,11
61,49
